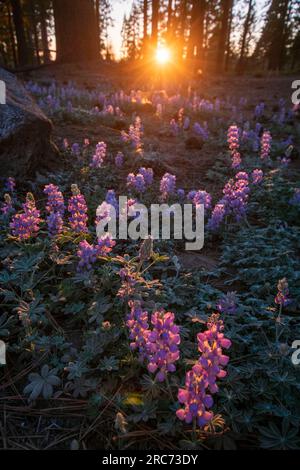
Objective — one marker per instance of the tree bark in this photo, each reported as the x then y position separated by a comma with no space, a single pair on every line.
195,46
76,30
226,5
154,32
23,52
44,33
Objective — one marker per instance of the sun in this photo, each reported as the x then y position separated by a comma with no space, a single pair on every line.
163,55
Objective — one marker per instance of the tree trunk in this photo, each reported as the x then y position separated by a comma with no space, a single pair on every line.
12,37
23,52
169,19
76,30
44,33
226,5
154,32
195,46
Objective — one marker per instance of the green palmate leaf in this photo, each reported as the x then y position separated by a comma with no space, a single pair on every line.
42,384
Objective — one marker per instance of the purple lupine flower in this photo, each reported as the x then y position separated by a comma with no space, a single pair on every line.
7,205
295,200
236,160
191,194
236,195
55,223
105,245
233,138
174,127
266,145
134,135
138,325
99,156
55,202
216,217
87,255
75,149
139,183
201,131
259,110
10,185
201,380
119,160
282,297
167,185
195,399
227,303
257,176
111,199
162,346
26,224
147,174
78,211
181,193
202,197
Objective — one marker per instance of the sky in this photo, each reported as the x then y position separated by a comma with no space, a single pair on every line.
119,9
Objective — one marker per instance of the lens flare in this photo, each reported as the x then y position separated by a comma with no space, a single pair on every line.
163,55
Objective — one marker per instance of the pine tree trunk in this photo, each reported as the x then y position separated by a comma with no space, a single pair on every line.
226,5
44,33
240,64
76,30
154,32
11,34
23,52
195,46
169,19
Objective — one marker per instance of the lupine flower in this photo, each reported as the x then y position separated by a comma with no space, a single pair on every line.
236,160
111,199
119,160
227,303
7,205
99,156
134,135
55,223
105,245
136,182
168,185
10,185
88,253
202,197
162,346
147,174
266,145
201,131
236,197
26,224
204,374
138,326
55,202
191,194
88,256
216,217
174,127
75,149
295,200
78,211
282,297
181,193
259,110
233,138
257,176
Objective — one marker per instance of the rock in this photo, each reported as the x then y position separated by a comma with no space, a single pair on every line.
25,133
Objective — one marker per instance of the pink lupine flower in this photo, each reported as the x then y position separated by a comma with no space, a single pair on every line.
78,211
266,146
26,224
